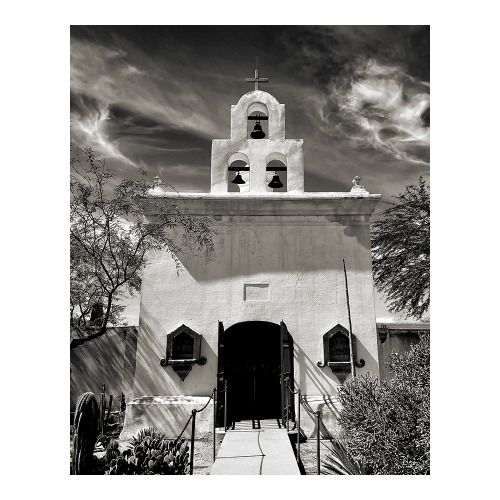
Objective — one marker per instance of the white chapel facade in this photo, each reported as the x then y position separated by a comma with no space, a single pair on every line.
268,306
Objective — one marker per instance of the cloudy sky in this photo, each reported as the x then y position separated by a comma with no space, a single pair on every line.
155,97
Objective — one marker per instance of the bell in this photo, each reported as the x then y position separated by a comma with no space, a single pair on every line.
275,183
238,179
257,133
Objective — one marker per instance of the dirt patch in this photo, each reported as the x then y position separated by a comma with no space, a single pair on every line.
308,457
203,454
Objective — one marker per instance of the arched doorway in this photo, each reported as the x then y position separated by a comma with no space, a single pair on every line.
251,362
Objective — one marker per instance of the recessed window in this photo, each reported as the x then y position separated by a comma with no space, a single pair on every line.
256,292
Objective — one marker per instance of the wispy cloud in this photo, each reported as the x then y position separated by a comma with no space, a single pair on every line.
90,129
127,78
382,108
374,84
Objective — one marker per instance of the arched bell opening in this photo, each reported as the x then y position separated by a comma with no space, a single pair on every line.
238,179
276,174
252,368
258,125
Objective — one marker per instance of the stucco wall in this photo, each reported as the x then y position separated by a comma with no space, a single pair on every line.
297,254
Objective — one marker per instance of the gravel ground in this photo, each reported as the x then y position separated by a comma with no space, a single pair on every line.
308,457
203,454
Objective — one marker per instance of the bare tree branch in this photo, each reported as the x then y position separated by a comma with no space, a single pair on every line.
108,254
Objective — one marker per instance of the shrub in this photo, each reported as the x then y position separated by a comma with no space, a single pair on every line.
337,460
150,452
387,425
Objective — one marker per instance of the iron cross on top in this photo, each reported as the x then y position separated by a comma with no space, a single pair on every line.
257,79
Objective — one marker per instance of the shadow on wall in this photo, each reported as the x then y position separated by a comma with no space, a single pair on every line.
309,371
321,399
152,379
276,249
110,360
363,237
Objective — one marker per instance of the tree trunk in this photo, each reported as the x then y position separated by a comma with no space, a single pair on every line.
77,342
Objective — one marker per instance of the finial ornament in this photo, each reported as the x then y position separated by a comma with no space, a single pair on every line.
257,79
156,190
356,184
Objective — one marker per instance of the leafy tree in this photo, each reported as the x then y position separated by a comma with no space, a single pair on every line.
386,426
401,251
87,295
111,237
85,289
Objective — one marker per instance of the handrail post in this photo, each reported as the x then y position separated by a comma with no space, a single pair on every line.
225,404
317,443
215,420
193,425
103,402
298,429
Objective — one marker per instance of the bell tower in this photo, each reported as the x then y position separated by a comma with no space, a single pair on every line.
256,149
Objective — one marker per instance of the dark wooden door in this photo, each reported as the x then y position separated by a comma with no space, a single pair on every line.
221,378
252,368
286,348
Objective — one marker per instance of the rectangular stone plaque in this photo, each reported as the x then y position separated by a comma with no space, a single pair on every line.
258,292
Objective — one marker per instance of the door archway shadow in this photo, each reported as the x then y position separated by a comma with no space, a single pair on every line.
252,369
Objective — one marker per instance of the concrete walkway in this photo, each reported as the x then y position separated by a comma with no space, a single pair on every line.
249,451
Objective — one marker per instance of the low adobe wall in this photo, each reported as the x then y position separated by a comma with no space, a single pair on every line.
110,360
397,338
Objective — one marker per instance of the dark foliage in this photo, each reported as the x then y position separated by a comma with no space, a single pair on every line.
337,460
401,251
387,425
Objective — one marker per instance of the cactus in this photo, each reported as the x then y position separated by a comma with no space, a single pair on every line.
102,440
86,421
111,453
152,453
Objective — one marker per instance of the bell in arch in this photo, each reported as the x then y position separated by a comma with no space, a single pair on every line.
238,179
275,183
257,132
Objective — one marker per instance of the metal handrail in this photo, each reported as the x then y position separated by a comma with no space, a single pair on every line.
297,421
317,416
192,419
